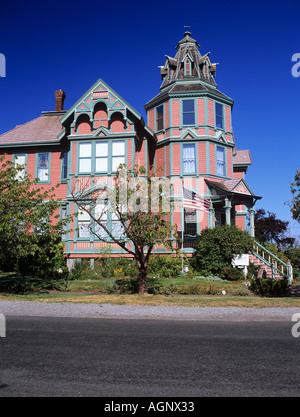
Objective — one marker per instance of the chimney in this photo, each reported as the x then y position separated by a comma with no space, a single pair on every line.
60,98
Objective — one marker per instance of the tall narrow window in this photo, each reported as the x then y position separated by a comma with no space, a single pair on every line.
43,166
190,223
101,156
85,157
64,166
101,217
219,115
188,112
160,117
187,67
63,218
189,159
83,223
220,161
118,154
19,162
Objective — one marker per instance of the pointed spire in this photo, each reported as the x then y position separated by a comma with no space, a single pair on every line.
187,39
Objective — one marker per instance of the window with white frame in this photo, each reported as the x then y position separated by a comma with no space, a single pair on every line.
85,157
118,154
220,161
20,164
189,158
84,222
101,217
43,166
101,157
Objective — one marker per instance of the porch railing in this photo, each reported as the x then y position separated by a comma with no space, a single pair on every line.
271,260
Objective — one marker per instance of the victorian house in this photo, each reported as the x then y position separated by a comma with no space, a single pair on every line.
188,138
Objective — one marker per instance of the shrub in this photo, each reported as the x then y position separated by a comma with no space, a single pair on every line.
165,266
216,247
131,285
232,274
269,287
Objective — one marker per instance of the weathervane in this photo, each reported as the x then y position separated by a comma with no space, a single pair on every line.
187,28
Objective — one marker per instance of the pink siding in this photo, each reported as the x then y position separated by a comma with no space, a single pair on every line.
229,163
84,128
129,154
227,118
151,121
211,116
159,162
167,119
212,158
175,113
202,157
201,111
176,159
167,163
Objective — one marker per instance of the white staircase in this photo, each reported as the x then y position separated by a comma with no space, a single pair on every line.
275,268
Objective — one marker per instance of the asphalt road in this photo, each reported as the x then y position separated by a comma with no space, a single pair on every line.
42,357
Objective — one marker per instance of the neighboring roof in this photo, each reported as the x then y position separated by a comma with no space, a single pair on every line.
242,157
45,128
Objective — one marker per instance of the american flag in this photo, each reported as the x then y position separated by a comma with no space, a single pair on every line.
194,201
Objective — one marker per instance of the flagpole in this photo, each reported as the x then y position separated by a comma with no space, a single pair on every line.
182,224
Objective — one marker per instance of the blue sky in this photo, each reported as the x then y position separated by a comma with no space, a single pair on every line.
70,44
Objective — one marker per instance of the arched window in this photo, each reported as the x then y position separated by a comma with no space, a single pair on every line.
117,123
83,125
100,115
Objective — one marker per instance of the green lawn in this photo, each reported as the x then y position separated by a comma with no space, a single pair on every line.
181,291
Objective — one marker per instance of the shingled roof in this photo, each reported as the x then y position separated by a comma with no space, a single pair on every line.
242,157
45,128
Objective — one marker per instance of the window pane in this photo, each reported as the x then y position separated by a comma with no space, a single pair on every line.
43,166
102,149
189,163
101,211
188,105
220,161
101,164
116,161
219,116
188,112
20,161
84,229
160,117
118,148
117,230
85,165
85,150
188,118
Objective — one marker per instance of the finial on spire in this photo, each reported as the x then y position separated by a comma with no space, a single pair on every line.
187,32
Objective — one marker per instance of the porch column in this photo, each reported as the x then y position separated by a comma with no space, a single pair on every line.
227,211
252,228
211,217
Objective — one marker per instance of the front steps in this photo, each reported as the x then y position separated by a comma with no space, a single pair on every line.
275,268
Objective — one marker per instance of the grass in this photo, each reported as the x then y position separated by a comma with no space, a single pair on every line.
201,293
156,300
